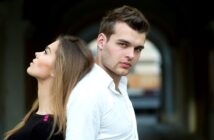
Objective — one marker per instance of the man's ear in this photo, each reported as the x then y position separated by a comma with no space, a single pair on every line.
101,40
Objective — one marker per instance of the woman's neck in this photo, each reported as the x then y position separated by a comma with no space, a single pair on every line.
44,98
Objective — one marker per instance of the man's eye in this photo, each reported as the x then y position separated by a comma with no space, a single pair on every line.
138,49
123,44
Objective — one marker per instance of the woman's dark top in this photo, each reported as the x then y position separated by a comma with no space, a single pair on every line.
38,127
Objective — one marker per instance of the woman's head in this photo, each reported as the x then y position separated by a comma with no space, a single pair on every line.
64,62
66,55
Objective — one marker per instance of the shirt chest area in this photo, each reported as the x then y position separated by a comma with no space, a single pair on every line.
118,118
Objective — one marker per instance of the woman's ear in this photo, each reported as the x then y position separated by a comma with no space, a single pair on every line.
101,39
52,74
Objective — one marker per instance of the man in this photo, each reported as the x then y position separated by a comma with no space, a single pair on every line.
99,107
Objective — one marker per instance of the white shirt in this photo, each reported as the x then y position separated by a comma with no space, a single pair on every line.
96,111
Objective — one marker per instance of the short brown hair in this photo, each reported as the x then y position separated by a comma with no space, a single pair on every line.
130,15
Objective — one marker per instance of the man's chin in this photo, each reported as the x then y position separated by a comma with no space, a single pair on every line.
125,73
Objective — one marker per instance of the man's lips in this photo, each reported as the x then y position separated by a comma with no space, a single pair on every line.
125,65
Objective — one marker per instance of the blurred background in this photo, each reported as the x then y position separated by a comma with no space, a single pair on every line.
172,86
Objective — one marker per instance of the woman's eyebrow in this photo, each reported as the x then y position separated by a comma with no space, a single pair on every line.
47,48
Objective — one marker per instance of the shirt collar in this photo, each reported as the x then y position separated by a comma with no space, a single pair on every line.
122,86
101,75
108,81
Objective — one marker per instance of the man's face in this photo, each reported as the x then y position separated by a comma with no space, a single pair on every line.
122,50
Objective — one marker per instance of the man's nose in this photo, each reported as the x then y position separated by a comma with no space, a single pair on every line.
130,53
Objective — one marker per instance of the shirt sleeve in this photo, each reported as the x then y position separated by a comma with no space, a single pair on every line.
83,117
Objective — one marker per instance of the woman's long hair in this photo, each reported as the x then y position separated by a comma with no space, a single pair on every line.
73,61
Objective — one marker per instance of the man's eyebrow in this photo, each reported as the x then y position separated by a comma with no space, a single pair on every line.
127,42
124,41
142,47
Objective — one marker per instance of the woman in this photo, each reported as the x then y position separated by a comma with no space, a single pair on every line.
57,69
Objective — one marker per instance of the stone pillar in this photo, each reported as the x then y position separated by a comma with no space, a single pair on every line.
12,71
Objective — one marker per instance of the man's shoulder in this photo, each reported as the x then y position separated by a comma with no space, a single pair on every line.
91,82
96,77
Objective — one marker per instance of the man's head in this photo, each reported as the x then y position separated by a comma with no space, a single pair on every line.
120,41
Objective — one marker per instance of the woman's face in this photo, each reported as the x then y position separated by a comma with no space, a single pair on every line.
42,67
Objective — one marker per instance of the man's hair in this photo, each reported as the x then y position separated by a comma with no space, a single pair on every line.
130,15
